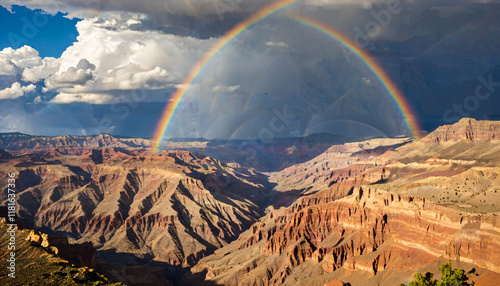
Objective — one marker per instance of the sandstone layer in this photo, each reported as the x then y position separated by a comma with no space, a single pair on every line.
371,235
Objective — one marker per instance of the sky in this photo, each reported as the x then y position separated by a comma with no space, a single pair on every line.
89,67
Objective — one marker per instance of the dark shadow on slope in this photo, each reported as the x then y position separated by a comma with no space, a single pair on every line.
87,177
195,279
139,271
379,150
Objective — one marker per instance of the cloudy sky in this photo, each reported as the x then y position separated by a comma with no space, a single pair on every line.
88,67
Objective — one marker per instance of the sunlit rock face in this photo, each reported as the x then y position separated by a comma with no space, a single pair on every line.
376,215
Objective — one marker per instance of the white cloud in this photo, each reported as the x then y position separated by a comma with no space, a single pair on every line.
93,98
7,67
48,67
72,77
223,88
12,62
120,20
78,75
109,56
16,90
367,81
151,79
125,60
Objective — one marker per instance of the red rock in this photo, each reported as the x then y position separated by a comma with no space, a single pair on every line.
465,129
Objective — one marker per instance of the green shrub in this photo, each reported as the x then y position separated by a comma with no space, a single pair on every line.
449,277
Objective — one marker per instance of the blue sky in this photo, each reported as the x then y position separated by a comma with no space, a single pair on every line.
49,34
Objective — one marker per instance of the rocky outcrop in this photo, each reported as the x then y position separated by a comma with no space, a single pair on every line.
466,129
78,254
51,259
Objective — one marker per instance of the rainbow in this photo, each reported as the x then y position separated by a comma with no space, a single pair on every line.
306,132
84,13
174,103
192,8
373,65
365,57
254,86
463,29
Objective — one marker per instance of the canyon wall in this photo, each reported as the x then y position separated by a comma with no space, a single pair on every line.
369,234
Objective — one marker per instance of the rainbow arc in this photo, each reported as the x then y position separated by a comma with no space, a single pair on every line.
265,12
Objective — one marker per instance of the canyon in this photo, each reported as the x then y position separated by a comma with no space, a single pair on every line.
171,206
366,211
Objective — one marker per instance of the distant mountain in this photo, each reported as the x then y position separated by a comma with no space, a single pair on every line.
271,155
18,141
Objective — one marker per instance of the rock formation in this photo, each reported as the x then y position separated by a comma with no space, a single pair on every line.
369,235
466,128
